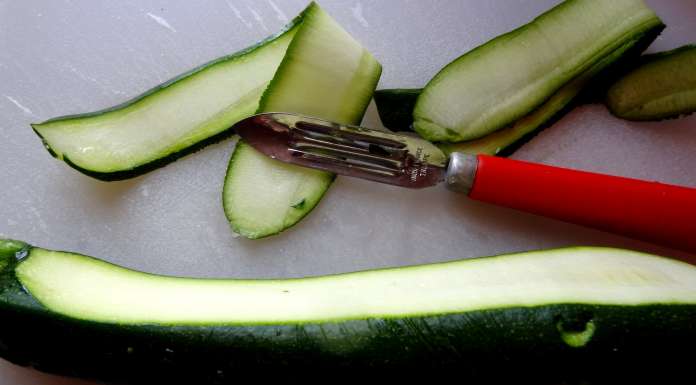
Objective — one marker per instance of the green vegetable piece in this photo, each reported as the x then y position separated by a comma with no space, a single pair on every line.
663,86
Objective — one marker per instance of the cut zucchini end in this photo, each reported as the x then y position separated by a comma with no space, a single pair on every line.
37,128
303,199
291,190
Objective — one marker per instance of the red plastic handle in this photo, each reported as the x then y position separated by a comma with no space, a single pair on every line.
651,211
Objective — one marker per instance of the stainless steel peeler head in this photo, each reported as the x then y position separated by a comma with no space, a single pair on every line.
346,150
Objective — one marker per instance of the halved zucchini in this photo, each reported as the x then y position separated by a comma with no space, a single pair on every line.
570,314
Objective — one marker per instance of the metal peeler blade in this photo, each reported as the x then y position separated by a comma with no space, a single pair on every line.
345,150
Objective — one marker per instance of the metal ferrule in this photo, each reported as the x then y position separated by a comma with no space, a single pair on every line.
461,172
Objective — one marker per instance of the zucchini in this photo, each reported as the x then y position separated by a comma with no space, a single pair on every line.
171,120
507,78
505,141
566,314
393,104
395,107
663,86
325,73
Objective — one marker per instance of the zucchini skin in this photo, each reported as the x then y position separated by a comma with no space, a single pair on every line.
472,344
517,343
161,162
395,107
656,76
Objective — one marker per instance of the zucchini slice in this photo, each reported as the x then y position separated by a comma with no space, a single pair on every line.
171,120
507,78
395,106
325,73
663,86
578,311
505,141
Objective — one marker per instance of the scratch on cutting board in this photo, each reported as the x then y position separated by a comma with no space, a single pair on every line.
358,14
279,12
80,74
258,18
239,15
42,223
161,21
92,79
19,105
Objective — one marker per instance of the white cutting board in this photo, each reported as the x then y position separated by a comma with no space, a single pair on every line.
69,56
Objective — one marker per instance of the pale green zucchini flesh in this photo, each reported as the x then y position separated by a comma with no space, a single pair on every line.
170,120
86,288
663,86
325,73
498,83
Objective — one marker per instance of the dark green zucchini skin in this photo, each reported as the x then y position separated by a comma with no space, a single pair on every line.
520,344
395,107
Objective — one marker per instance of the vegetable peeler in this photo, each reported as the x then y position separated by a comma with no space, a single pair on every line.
651,211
